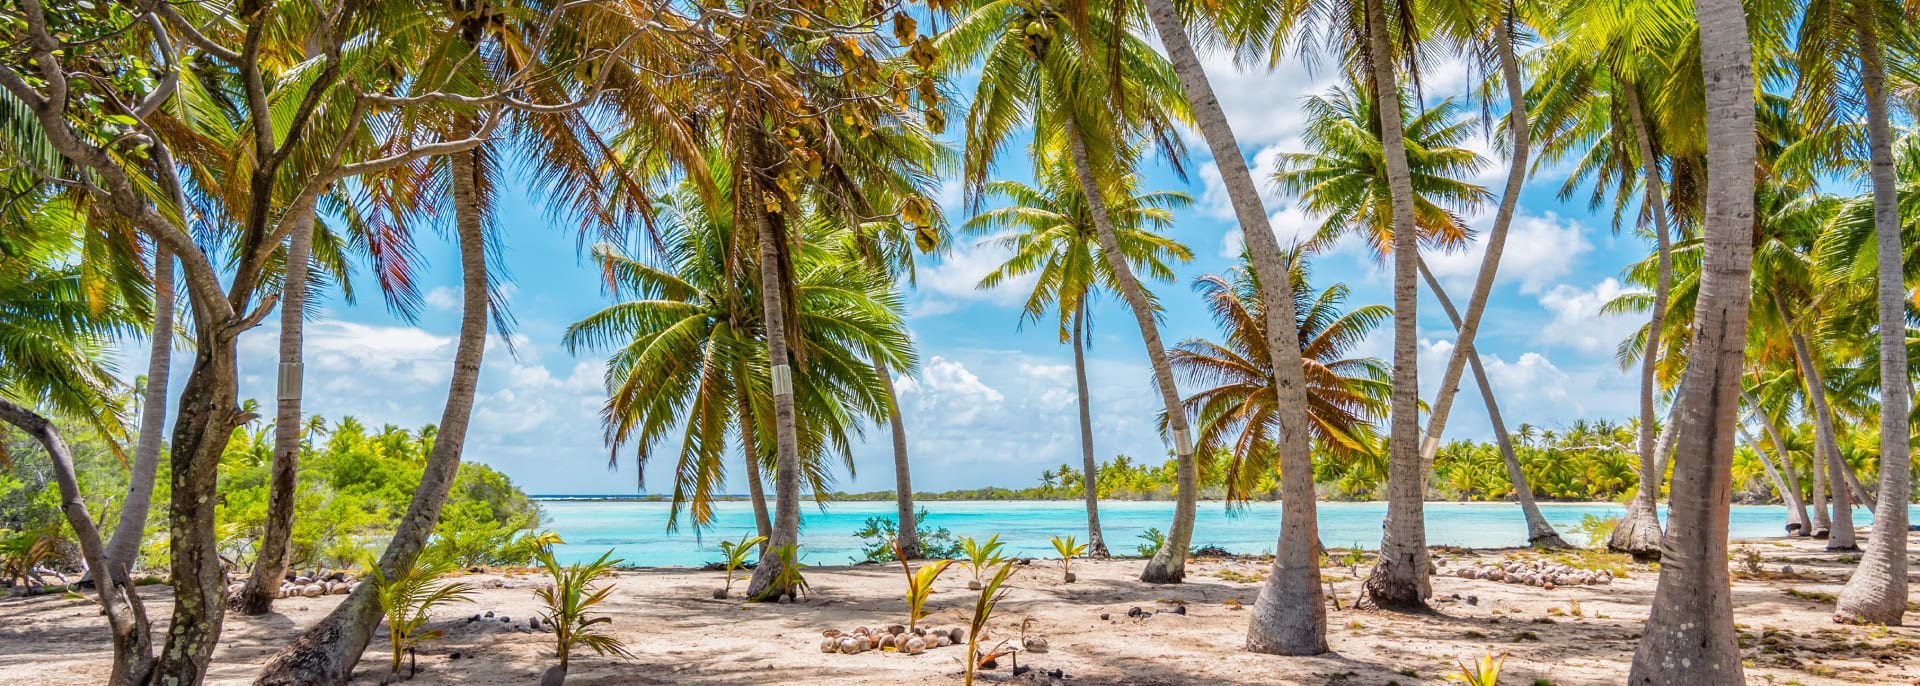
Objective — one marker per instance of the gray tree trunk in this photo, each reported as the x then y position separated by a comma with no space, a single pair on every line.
909,533
1818,523
1690,637
1169,565
1877,591
126,617
1841,538
275,551
1540,533
1399,578
1638,532
1096,544
766,583
751,450
325,654
1796,510
123,549
1290,617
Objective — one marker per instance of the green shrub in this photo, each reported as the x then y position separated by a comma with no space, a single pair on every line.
878,533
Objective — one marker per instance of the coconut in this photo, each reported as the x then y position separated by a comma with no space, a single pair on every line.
302,580
886,641
973,585
849,645
914,646
957,635
313,590
860,631
1071,578
1496,574
234,589
719,594
945,640
828,645
1548,585
830,633
1036,644
896,629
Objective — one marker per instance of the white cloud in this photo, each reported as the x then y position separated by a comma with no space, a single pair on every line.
1540,251
1577,322
952,284
443,298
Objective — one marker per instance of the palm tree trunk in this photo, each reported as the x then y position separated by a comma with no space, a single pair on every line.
1490,263
751,451
123,549
909,534
1690,637
1639,530
1399,578
1540,533
1290,617
270,565
1169,565
126,617
1096,544
325,654
1877,591
1796,510
1861,494
1841,538
766,584
1818,522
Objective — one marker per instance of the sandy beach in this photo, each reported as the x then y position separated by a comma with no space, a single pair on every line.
680,634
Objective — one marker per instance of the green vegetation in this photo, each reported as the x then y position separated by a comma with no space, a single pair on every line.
407,601
736,553
919,584
570,600
1068,548
879,533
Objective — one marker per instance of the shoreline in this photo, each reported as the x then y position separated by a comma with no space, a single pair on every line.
743,498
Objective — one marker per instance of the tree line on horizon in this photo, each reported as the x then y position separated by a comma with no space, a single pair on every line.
754,183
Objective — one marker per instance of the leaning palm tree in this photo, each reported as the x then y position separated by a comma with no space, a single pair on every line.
1050,234
1238,410
1090,87
1690,637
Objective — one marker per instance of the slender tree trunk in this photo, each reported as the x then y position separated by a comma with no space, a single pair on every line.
1841,538
126,617
1877,591
1690,638
1540,533
1096,544
1819,522
1469,326
1796,510
751,450
1861,494
123,549
909,534
270,565
1290,617
1399,578
1638,532
766,583
325,654
1169,565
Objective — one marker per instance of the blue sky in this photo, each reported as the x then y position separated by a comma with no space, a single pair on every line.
991,404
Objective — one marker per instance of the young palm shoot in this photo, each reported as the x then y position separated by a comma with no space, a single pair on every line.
980,556
1483,672
408,600
736,552
919,584
570,600
990,595
1068,548
789,576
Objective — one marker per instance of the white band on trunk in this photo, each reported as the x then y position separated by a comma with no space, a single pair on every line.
289,386
1182,443
782,380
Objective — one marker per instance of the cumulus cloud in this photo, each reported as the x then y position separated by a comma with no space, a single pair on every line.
952,284
1540,251
1577,322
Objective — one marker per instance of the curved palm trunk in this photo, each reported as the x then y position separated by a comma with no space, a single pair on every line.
1638,532
1877,591
270,565
1469,327
1169,565
1690,637
123,549
1861,494
1540,533
1841,538
126,617
325,654
1096,544
751,450
1290,617
1399,578
1796,510
909,533
1817,525
766,584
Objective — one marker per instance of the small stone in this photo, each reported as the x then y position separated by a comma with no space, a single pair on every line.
719,594
1105,616
1473,600
1180,610
1135,611
1548,585
1786,569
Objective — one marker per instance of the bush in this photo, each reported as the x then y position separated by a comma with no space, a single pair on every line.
1597,529
1154,539
877,534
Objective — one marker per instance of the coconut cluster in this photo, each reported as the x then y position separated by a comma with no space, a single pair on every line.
1546,574
896,637
306,587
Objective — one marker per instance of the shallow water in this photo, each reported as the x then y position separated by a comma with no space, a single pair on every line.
636,531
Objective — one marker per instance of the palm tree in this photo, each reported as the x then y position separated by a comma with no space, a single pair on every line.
1049,232
1289,617
687,353
1089,86
1238,410
1690,637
